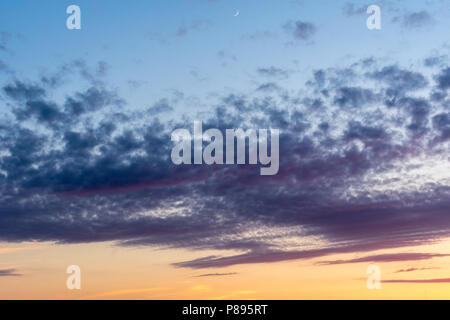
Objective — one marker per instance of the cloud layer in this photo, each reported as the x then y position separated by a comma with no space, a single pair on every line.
363,166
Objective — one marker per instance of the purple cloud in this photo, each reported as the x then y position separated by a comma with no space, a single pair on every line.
415,269
390,257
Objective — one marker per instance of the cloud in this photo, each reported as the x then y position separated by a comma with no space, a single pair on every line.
94,75
23,91
358,131
441,122
270,256
435,61
124,292
91,100
273,72
300,30
443,79
350,9
9,273
439,280
353,97
399,80
226,57
268,86
200,24
415,20
259,35
216,274
32,103
391,257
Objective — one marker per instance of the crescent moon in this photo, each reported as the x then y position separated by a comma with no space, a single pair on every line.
237,13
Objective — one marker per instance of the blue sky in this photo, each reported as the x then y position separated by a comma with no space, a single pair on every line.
140,41
87,116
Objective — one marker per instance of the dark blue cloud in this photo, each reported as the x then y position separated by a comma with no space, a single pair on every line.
85,169
22,91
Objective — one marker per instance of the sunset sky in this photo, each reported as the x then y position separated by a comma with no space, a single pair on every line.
86,176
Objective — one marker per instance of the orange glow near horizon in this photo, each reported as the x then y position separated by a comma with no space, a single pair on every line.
113,272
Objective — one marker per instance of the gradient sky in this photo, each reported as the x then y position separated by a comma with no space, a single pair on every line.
86,176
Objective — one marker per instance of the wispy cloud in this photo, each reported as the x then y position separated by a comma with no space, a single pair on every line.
123,292
216,274
345,175
9,273
200,24
300,30
391,257
415,269
415,20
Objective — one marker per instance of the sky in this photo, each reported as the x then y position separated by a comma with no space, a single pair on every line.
86,175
